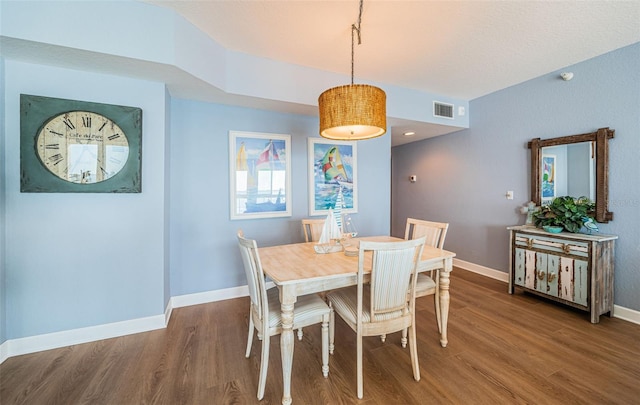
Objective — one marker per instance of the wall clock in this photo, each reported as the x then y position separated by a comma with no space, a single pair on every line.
70,146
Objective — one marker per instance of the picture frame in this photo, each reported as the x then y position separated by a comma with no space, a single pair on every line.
259,175
332,165
548,190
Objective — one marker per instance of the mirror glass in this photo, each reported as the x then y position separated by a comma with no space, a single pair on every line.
568,170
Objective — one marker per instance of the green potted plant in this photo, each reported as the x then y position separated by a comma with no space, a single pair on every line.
567,213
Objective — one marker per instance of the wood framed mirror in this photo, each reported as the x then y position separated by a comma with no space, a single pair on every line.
576,165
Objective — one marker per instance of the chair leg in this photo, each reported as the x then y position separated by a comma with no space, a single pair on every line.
359,366
332,329
383,338
300,334
325,345
403,339
250,337
264,365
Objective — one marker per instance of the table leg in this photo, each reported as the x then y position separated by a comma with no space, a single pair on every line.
444,299
287,300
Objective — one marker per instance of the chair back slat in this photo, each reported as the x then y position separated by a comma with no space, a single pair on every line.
312,229
255,275
434,232
393,265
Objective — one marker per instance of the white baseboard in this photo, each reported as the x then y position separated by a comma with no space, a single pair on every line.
208,296
4,351
212,296
626,314
485,271
32,344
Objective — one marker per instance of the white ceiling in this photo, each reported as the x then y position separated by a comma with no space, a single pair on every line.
461,49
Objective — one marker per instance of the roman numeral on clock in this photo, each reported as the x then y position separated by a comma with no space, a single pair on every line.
114,136
55,159
68,123
86,122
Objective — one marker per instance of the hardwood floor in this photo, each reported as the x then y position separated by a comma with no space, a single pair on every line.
503,348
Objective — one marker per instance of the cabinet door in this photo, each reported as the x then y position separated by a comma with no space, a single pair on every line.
566,278
518,264
573,280
553,271
530,269
580,277
541,272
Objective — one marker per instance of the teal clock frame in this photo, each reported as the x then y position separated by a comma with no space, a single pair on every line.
36,111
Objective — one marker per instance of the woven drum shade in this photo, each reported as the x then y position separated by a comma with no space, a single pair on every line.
353,112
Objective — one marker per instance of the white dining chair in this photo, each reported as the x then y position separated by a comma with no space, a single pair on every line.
427,284
434,234
265,311
381,305
312,229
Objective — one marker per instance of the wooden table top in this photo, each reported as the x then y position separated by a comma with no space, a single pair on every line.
299,261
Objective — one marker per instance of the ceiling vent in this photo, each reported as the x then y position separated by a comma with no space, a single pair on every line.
442,110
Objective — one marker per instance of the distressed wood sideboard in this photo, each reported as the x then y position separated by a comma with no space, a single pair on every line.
570,268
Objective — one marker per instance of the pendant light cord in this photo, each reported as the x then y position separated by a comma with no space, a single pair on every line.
355,29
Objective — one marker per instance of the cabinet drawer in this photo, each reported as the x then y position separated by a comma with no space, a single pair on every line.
552,245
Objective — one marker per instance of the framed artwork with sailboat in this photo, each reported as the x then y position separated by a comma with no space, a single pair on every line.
260,175
332,172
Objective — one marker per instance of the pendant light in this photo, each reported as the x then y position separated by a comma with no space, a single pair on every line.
353,111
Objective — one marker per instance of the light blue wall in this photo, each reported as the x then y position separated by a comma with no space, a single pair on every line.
463,177
204,253
78,260
3,303
167,201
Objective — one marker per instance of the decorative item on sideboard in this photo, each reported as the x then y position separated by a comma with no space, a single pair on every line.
529,209
569,213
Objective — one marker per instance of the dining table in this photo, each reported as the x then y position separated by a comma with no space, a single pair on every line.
296,269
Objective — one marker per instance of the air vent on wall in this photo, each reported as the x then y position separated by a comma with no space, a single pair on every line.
442,110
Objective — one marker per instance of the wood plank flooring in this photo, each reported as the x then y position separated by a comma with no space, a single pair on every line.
503,349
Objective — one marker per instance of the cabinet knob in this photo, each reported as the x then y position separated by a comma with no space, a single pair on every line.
551,277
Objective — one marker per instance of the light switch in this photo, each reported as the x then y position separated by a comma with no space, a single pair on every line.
509,195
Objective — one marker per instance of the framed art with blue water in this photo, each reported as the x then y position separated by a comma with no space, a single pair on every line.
548,178
332,169
260,175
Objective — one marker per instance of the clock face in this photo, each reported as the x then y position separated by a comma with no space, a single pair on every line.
82,147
